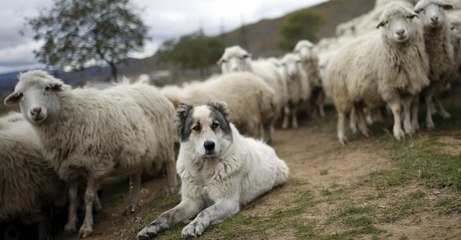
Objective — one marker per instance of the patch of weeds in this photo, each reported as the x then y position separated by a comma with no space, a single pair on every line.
356,221
412,203
449,205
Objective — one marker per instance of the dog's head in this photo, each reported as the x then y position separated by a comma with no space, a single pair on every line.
204,129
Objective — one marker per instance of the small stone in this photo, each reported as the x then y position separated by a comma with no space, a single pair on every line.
324,172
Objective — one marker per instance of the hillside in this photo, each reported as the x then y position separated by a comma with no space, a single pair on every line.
262,37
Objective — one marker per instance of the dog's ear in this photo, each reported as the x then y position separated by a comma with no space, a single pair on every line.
181,112
220,106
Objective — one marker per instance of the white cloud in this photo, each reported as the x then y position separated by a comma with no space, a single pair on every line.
165,19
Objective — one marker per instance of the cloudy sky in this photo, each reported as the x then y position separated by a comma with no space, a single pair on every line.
166,19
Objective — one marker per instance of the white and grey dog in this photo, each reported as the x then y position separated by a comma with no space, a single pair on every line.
220,170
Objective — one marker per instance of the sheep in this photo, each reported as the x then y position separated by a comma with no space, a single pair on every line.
237,59
455,33
93,135
299,88
252,99
390,67
30,188
440,52
310,62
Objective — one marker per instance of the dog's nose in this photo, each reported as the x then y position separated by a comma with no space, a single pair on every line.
209,145
36,111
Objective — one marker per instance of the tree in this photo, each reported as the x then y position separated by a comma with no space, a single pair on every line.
79,34
299,25
194,51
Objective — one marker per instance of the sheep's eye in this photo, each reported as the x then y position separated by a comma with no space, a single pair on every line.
411,16
196,128
223,60
47,88
20,94
214,125
244,56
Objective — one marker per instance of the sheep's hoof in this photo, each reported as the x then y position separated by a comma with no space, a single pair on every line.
430,125
70,228
343,141
85,231
445,115
399,134
129,210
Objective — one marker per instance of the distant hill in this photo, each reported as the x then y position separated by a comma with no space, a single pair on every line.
261,40
263,36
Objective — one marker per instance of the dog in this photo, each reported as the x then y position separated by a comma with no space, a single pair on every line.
220,170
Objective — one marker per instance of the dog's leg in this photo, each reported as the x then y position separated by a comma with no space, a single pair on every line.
185,210
216,213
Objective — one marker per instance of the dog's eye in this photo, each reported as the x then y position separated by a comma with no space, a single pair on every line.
196,128
214,125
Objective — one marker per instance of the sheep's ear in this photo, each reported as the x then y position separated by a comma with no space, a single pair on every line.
182,111
12,99
447,6
56,86
381,24
220,106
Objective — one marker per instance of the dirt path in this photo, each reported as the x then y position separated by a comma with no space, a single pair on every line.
318,165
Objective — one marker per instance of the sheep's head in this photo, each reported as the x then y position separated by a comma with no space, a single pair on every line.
455,25
399,23
304,49
235,59
291,65
36,94
432,12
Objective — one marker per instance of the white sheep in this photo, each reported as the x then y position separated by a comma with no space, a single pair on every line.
299,88
310,62
30,188
389,66
93,135
237,59
250,98
440,52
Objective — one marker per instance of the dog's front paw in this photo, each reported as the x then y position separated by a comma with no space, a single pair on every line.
149,232
194,229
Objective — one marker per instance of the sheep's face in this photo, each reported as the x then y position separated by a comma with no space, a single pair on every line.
398,24
433,15
305,50
291,65
455,28
204,130
37,98
235,59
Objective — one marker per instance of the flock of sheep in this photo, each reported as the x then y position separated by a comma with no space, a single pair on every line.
69,139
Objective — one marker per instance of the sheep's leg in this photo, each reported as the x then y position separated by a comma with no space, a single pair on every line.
353,120
269,130
171,171
407,116
134,194
87,227
429,108
294,115
286,116
341,132
369,118
443,113
43,227
320,103
185,210
214,214
71,225
362,123
415,108
396,111
97,202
